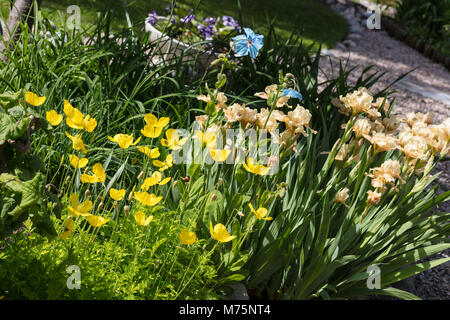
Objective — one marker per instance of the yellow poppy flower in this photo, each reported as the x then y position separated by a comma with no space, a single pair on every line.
79,209
117,194
147,199
256,169
53,117
208,138
164,165
70,226
89,123
34,99
96,221
142,219
124,140
151,153
261,213
77,142
156,178
99,175
173,141
76,120
220,233
74,117
219,155
154,127
187,237
78,163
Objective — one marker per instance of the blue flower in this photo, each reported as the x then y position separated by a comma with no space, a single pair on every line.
291,93
250,43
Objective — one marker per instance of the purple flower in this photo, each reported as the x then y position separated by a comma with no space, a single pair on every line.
206,31
152,18
169,8
230,22
187,18
210,20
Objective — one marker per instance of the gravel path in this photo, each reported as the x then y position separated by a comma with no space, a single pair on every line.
365,47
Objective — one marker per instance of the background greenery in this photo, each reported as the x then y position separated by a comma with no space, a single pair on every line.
428,21
310,18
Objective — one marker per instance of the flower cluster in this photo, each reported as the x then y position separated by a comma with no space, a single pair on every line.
414,135
183,24
272,119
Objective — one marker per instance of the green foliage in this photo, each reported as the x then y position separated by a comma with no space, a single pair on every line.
319,248
22,180
120,262
429,21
